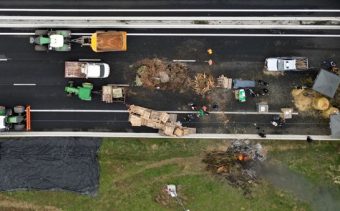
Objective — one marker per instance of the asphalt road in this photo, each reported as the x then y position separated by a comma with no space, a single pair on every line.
203,4
236,57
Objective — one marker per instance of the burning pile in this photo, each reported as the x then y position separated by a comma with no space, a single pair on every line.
237,164
203,83
159,74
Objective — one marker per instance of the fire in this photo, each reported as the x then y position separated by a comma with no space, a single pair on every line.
242,157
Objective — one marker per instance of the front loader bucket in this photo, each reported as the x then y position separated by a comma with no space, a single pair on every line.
28,118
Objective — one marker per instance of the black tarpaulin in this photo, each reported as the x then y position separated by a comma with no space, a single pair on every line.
50,164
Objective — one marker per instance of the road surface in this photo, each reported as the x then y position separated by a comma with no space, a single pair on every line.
39,81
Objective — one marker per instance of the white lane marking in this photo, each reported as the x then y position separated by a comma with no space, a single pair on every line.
17,84
92,60
165,10
193,35
172,112
171,18
157,135
183,60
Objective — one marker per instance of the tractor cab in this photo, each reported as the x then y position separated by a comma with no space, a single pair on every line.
56,41
45,40
2,123
17,119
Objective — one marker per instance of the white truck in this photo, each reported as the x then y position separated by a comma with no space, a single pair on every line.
75,69
286,64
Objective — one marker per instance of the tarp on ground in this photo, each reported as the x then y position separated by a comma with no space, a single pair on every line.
243,83
50,164
335,126
326,83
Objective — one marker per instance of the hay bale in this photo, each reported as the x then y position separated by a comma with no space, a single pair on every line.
302,102
330,111
296,92
320,103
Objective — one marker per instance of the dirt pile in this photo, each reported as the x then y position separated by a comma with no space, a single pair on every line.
237,164
161,74
203,83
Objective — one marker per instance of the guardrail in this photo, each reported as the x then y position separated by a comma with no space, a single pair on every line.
249,22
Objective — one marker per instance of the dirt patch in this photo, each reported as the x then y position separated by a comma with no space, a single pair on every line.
189,165
162,74
163,198
7,203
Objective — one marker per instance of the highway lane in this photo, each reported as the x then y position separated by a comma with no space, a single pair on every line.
235,57
201,4
118,122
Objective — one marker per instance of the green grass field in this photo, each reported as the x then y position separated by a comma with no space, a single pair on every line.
133,173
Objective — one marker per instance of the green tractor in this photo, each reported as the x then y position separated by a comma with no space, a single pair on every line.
84,92
12,119
45,40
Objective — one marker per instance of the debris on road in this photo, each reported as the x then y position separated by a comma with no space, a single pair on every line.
167,124
166,75
224,82
203,83
237,164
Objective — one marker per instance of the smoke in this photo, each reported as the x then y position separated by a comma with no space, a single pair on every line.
319,198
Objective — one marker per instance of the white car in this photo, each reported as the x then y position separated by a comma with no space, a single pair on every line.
86,70
96,70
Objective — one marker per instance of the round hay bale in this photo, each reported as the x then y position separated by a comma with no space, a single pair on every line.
321,103
302,103
331,110
296,92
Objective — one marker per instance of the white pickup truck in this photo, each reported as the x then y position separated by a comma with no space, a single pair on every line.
286,64
86,70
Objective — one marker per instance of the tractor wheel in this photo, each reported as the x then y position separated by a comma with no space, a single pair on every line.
19,127
40,48
88,85
2,110
65,33
19,109
70,83
41,32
